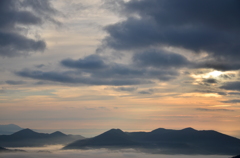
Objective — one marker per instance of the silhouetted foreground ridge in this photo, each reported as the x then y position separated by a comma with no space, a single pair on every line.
185,141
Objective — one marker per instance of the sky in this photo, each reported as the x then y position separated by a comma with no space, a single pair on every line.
84,67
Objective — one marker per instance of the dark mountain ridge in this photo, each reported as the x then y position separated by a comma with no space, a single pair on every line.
111,138
28,137
185,141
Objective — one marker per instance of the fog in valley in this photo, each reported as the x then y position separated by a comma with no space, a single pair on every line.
55,152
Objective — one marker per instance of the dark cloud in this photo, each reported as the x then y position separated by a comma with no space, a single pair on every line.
69,77
127,71
13,44
39,66
210,80
231,86
218,65
210,91
11,82
125,89
89,62
210,26
160,59
14,13
234,93
205,109
148,91
116,70
92,70
234,101
227,76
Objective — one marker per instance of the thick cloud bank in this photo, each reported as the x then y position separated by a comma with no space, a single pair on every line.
200,26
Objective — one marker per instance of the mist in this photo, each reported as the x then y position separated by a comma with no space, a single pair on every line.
55,152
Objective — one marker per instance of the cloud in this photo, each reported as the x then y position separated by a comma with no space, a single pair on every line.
200,26
231,86
89,62
39,66
11,82
75,78
210,91
92,70
205,109
218,65
234,93
210,80
234,101
15,16
149,91
13,44
125,89
160,59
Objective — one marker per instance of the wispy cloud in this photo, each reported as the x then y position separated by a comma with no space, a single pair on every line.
205,109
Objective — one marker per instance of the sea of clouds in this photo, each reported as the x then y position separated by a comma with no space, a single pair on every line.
55,152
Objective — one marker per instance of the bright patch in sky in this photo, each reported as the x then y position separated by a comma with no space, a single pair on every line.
214,74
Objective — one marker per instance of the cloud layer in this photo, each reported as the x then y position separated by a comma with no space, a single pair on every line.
93,70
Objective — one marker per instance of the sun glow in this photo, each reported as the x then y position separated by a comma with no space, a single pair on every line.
212,74
215,74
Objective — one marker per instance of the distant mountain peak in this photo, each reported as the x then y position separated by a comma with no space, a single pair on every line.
58,133
159,129
189,129
24,132
27,130
115,130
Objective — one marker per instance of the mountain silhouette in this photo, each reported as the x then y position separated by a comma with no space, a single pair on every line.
9,129
58,134
111,138
185,141
27,133
28,137
238,156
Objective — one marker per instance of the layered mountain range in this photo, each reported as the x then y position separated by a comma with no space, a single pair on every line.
30,138
164,141
185,141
